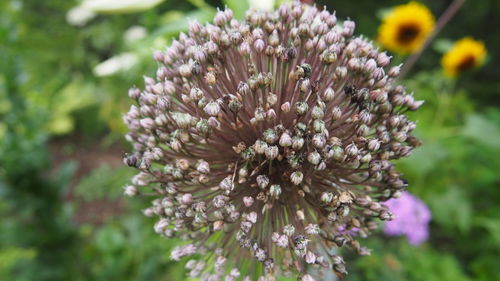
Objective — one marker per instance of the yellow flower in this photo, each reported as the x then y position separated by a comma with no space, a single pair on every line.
465,54
406,27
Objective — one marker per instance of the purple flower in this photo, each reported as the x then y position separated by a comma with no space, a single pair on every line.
412,218
269,140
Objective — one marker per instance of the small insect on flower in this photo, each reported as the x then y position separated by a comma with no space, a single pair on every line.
406,27
268,140
464,55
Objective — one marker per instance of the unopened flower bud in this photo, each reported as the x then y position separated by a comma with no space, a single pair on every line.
262,181
296,177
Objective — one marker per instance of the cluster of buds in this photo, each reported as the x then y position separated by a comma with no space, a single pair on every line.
275,135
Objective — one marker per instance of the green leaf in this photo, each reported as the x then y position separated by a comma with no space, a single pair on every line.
442,45
103,182
74,96
426,157
452,209
382,13
483,130
493,227
238,6
202,15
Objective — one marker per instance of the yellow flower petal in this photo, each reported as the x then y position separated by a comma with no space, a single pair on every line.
465,54
406,28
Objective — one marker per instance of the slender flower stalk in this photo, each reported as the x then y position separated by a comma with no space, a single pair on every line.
266,140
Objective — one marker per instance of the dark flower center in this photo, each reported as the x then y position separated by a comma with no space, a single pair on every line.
467,63
407,33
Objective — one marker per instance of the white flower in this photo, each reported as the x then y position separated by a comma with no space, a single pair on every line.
266,5
119,6
79,15
134,33
115,64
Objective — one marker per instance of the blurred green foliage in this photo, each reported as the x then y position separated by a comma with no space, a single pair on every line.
54,84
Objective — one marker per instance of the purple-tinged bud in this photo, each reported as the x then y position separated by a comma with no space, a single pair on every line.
260,147
275,190
285,140
309,45
286,107
301,108
259,45
270,136
229,14
400,136
212,48
148,81
248,201
310,257
262,181
212,108
370,66
378,74
351,150
317,113
274,39
326,197
416,105
297,143
366,158
340,72
185,70
336,113
159,56
227,184
314,158
271,152
348,28
130,190
187,199
394,71
213,122
134,93
329,94
203,167
383,59
220,18
271,115
331,21
195,27
381,83
374,145
244,49
147,123
318,141
296,177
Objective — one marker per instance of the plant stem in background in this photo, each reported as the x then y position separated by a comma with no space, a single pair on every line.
443,20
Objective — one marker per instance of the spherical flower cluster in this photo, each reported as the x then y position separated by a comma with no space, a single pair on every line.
406,27
464,55
264,141
412,219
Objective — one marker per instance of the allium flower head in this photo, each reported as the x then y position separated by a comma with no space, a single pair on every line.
412,219
406,27
464,55
266,140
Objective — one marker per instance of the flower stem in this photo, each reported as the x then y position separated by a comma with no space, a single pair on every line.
443,20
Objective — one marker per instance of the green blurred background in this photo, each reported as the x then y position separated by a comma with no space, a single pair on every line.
63,85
